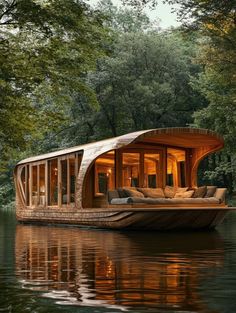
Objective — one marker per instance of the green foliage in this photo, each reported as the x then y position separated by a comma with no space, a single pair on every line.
46,49
44,55
67,79
216,22
220,114
122,19
143,83
6,186
140,4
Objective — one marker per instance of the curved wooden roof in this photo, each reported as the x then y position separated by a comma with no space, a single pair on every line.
176,136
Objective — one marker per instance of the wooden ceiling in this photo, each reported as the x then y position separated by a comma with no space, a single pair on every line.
177,137
185,140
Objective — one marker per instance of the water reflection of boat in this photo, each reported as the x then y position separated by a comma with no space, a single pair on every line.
119,270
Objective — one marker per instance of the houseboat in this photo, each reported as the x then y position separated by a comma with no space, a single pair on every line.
142,180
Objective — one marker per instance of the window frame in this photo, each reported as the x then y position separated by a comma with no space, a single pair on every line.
20,183
186,165
28,167
37,164
118,158
96,176
77,166
158,174
142,151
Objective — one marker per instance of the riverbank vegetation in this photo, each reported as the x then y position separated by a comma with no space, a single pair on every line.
71,74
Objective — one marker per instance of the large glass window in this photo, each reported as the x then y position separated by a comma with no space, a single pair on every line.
52,182
42,186
38,184
72,179
34,185
68,179
151,169
64,182
130,169
176,167
105,173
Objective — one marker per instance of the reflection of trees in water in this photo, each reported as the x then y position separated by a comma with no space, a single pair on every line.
126,269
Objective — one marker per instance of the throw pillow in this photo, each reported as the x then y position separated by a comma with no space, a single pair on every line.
186,194
200,192
169,191
210,191
122,193
133,193
129,192
152,192
182,189
112,194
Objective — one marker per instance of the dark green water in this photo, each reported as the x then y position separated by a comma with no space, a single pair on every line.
65,269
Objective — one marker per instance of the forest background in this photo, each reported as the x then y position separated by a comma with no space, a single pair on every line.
71,73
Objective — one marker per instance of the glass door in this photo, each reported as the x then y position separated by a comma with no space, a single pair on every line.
130,169
38,184
53,182
142,168
152,170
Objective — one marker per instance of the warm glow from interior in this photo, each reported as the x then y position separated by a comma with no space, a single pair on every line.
178,154
151,169
130,169
105,173
176,167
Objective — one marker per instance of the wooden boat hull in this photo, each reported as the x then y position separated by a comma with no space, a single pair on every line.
130,218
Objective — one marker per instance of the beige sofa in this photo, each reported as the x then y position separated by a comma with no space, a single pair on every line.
116,197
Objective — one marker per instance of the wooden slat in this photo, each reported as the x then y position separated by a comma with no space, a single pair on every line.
132,218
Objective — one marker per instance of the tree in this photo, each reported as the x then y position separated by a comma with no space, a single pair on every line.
143,83
44,53
216,21
123,19
46,49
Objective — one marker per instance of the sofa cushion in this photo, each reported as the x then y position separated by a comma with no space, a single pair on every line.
200,192
111,194
220,194
152,192
129,192
181,189
121,192
186,194
120,200
169,191
134,193
210,191
174,201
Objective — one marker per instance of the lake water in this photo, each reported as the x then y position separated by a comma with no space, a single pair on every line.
47,269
